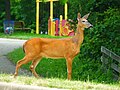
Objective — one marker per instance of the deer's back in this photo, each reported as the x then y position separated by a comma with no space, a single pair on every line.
52,48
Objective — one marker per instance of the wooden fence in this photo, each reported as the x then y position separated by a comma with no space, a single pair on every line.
111,60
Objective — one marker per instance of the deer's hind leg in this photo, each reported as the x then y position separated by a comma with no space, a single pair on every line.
25,60
33,66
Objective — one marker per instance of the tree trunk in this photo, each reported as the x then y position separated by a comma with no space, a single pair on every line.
7,9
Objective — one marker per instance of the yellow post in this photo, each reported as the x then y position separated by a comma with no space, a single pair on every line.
66,11
61,17
37,16
49,26
51,9
53,28
51,16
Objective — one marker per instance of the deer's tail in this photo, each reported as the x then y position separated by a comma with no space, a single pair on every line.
24,47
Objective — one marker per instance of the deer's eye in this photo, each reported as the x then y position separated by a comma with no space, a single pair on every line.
83,21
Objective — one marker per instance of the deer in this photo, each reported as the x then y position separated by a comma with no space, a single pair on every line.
68,48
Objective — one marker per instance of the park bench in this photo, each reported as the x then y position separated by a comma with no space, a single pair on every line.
20,25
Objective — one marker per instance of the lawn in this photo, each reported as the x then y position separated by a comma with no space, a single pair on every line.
24,35
58,83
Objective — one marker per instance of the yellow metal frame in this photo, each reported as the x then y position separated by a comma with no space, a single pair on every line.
51,14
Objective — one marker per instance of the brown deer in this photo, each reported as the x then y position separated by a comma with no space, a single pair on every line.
67,48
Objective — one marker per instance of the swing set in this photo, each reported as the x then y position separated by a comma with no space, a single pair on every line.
56,27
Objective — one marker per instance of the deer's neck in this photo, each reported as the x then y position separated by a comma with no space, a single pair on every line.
79,37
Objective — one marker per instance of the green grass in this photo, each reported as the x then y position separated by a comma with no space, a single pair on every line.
57,83
24,35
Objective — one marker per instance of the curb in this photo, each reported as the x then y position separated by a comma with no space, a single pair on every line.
12,86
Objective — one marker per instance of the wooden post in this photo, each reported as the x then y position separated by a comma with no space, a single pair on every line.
106,53
37,16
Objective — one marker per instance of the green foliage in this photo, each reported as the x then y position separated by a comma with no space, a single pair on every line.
104,33
63,1
16,10
82,6
23,10
110,29
2,14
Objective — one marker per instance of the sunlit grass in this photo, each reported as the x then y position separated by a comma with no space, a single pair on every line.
24,35
58,83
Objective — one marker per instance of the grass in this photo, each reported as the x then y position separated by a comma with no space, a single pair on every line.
24,35
57,83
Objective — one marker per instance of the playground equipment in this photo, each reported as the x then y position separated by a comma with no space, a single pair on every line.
59,27
55,26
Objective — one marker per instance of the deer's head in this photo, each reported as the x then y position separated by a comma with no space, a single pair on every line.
83,22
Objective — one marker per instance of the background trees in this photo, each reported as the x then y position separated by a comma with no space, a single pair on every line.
7,9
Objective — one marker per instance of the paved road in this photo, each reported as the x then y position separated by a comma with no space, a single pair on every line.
6,46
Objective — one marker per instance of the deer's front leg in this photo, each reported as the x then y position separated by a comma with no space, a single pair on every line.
69,67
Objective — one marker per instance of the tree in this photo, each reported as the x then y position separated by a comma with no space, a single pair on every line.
7,9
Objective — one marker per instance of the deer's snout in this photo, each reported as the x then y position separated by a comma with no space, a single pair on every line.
91,26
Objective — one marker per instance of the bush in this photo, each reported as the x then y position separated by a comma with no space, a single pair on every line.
104,33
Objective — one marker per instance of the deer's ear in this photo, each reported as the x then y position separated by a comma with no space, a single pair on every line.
86,16
79,16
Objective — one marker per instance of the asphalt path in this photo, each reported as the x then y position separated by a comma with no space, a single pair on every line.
6,46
